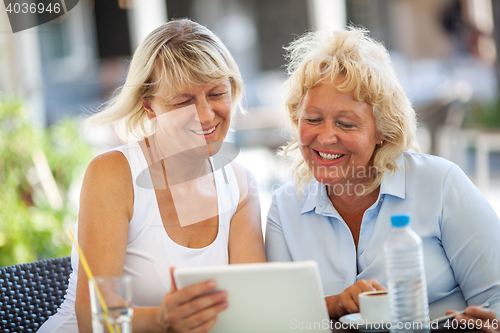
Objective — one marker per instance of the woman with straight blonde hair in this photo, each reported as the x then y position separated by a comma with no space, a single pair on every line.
165,200
352,167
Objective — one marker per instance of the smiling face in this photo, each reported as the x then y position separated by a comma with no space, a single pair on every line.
337,135
194,116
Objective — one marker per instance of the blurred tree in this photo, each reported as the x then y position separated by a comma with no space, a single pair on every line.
485,115
32,227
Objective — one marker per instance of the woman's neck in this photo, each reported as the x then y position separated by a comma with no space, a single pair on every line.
180,166
350,201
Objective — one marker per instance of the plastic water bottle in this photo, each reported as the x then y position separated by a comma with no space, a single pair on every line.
405,274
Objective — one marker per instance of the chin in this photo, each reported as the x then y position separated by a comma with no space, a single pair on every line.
327,181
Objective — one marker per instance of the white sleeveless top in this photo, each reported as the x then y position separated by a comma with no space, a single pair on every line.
150,251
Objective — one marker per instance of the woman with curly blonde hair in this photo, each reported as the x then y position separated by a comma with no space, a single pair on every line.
352,167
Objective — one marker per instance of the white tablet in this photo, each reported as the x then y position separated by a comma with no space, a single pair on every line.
265,297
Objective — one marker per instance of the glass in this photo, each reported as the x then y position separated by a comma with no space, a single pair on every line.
116,292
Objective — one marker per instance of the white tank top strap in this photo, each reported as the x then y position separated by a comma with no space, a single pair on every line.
150,252
228,196
145,203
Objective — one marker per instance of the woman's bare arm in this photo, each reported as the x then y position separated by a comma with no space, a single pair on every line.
106,207
246,243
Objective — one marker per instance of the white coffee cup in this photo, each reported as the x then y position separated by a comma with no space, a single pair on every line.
374,306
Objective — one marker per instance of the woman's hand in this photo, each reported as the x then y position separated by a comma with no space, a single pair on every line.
348,302
486,318
189,310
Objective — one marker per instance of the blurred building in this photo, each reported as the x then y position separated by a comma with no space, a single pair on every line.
74,63
440,48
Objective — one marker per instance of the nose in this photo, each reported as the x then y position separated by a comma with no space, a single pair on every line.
327,134
204,113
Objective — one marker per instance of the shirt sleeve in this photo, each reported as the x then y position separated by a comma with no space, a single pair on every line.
275,244
470,230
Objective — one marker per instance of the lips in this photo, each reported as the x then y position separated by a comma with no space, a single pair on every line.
328,154
329,157
207,133
325,157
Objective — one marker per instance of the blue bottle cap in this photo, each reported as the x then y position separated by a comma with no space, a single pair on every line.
400,220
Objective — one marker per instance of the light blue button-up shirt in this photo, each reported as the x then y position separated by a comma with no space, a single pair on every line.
460,232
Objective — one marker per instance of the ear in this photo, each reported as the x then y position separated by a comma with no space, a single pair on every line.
149,111
380,139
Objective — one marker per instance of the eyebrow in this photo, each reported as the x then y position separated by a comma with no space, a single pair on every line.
340,113
351,113
187,95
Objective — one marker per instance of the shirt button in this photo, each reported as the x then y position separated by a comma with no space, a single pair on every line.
372,215
361,251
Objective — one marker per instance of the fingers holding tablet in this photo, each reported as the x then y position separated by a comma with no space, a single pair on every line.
193,308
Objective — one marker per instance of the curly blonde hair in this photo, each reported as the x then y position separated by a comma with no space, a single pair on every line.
177,54
364,67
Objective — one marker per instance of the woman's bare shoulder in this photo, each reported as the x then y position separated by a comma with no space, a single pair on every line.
109,173
112,165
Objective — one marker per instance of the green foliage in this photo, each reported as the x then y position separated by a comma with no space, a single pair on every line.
30,228
485,114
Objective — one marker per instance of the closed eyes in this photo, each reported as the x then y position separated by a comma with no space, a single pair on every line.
183,103
213,96
344,125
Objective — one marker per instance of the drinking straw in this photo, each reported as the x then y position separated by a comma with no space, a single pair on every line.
90,276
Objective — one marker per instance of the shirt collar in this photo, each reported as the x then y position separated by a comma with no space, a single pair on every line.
392,184
316,194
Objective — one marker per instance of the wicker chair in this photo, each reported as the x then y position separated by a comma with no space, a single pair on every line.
32,292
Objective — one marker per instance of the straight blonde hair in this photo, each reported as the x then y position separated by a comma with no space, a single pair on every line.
177,54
